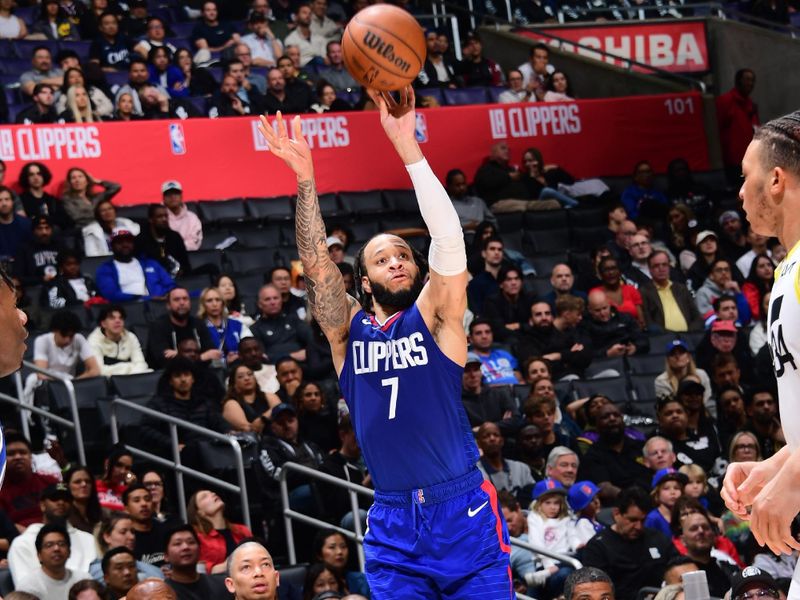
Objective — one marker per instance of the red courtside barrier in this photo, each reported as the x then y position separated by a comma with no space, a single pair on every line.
225,158
677,47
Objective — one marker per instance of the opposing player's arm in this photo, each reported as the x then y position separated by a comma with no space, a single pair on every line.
444,300
331,306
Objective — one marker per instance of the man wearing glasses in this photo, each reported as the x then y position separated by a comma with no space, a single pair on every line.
753,584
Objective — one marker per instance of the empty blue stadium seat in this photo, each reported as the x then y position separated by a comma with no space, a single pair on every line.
434,93
473,95
494,93
80,47
182,30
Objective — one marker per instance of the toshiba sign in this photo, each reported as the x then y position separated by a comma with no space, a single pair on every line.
677,47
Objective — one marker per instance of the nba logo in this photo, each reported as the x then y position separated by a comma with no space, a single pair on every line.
177,139
420,497
421,129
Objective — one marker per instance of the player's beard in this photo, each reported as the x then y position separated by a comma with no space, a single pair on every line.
399,300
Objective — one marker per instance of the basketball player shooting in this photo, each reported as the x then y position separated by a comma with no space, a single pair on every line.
435,530
768,492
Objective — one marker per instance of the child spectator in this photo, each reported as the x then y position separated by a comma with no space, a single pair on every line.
584,503
550,526
667,486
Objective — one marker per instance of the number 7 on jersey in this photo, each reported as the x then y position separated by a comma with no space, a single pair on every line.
392,382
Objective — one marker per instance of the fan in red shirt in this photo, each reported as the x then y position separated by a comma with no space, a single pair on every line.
737,118
19,497
218,536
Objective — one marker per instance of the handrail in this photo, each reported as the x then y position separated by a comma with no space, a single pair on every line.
353,489
24,407
176,465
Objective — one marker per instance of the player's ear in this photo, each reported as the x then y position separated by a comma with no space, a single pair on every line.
777,183
365,286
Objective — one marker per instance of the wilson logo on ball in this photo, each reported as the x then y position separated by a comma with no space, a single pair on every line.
375,42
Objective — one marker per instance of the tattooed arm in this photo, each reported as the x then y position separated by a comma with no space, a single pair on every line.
331,306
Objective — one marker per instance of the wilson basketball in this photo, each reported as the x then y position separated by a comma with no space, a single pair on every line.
384,47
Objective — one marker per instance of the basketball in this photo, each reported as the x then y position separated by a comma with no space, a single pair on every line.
384,47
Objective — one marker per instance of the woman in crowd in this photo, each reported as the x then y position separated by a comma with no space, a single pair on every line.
124,108
52,23
679,364
165,74
535,368
758,283
680,220
225,331
331,549
154,482
155,36
11,26
79,107
319,579
116,479
218,536
97,234
114,531
226,285
86,511
98,101
706,252
199,81
79,197
316,421
87,589
33,178
622,296
246,407
759,334
558,88
327,100
542,180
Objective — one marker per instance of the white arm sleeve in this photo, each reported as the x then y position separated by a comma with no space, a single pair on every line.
447,255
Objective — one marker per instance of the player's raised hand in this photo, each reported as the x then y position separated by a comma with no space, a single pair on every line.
399,121
397,118
294,152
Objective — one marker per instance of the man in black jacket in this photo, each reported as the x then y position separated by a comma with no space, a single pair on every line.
485,403
167,331
562,348
346,463
179,399
284,445
159,242
279,333
611,332
42,110
509,309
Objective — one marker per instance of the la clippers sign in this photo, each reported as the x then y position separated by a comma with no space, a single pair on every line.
677,47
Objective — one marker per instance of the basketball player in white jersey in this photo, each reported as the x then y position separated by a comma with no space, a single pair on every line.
768,492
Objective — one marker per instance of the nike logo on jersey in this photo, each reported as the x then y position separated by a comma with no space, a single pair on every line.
471,512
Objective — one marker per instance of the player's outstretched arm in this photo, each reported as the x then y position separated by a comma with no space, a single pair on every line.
330,304
444,300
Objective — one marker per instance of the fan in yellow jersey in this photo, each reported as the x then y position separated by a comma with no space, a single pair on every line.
768,492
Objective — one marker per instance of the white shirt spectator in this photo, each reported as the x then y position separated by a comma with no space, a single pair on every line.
126,355
550,96
42,585
326,28
510,96
527,72
309,48
23,561
131,277
62,360
261,48
95,240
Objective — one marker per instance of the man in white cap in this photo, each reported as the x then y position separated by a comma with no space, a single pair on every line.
181,219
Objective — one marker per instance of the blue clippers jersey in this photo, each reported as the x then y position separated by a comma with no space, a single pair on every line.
404,397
